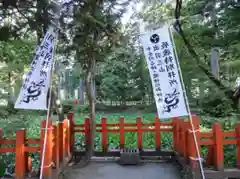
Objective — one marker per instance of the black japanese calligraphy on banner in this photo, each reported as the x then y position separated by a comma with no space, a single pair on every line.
156,48
34,90
164,73
154,62
33,94
51,38
171,100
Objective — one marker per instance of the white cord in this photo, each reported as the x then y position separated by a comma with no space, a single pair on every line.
188,108
48,112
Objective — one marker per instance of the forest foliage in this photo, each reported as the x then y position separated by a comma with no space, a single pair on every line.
121,72
95,45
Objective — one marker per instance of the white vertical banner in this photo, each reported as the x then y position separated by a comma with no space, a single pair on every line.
33,94
164,72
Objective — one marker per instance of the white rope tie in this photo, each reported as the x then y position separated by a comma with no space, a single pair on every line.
194,131
60,122
51,128
47,166
196,159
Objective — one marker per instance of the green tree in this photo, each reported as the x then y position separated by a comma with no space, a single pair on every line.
14,56
95,29
206,24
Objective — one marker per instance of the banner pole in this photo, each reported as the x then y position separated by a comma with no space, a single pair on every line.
187,103
48,110
55,23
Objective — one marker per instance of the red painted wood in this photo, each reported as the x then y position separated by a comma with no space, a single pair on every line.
104,134
139,133
86,130
157,133
237,130
47,165
218,146
71,128
20,154
121,131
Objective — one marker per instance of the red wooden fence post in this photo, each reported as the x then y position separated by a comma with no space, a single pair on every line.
66,139
183,131
192,151
237,130
47,165
157,133
20,154
57,146
174,132
139,133
104,134
177,128
121,131
72,134
60,135
218,146
180,138
191,145
185,140
87,128
210,156
28,161
54,145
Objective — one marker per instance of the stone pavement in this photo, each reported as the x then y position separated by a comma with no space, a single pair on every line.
111,170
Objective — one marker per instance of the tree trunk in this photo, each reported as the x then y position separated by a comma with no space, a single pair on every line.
81,92
92,115
55,105
10,104
9,87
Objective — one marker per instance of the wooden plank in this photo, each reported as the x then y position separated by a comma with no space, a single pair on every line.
33,141
7,142
9,149
32,149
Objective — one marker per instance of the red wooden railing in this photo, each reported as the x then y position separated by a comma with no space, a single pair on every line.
61,141
56,153
122,127
214,140
183,140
